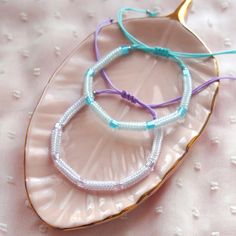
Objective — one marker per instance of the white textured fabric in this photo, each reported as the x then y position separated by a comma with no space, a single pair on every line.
35,36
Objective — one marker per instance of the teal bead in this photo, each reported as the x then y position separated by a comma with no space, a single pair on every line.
89,100
113,124
186,72
150,125
182,111
90,72
125,50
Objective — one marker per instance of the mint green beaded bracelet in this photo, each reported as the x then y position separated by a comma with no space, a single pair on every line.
146,125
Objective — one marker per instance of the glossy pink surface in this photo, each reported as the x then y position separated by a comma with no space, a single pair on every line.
194,200
98,152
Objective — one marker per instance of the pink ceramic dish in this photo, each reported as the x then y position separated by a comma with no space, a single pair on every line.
97,152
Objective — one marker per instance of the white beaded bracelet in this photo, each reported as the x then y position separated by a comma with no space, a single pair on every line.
75,178
158,122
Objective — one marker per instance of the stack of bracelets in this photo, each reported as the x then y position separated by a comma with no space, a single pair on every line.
155,125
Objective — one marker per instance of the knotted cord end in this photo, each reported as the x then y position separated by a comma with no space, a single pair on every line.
151,13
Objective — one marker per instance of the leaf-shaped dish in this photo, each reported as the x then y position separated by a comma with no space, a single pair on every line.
97,152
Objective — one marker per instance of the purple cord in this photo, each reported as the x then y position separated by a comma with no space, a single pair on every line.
133,99
113,89
194,92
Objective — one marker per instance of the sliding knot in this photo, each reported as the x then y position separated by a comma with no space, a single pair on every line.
163,52
129,97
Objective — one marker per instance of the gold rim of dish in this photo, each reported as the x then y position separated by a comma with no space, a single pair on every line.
179,14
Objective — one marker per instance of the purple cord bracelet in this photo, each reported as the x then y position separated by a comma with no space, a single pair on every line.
133,99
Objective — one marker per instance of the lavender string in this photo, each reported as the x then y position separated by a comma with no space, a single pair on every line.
114,90
194,92
133,99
